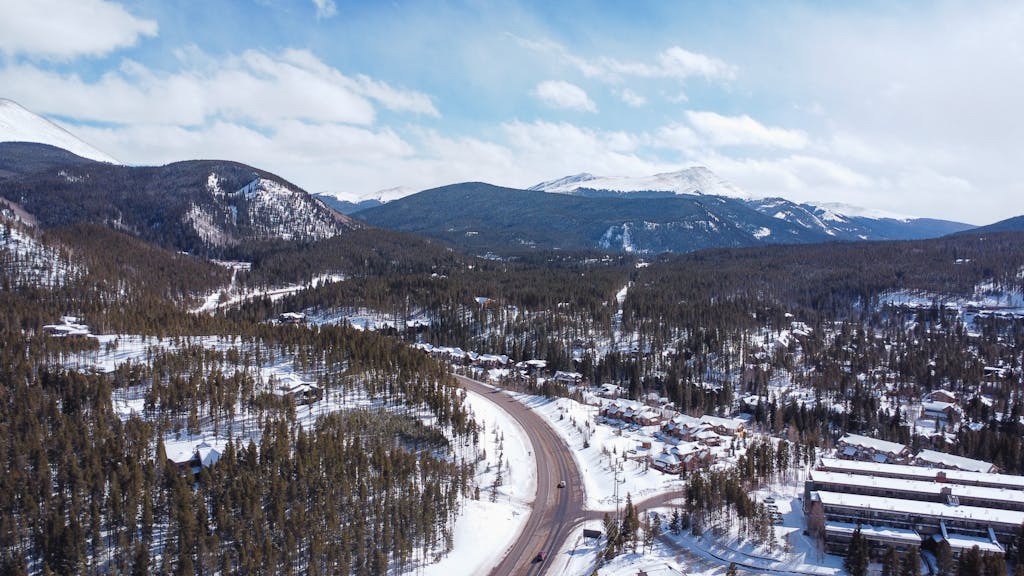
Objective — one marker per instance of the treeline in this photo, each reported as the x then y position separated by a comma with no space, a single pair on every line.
86,490
83,492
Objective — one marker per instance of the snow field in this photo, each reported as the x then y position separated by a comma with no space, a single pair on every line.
609,449
485,529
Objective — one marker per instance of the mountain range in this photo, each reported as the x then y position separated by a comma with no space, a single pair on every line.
675,212
215,207
204,206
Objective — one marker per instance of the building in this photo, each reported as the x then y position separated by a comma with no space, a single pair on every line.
920,473
857,447
69,327
292,318
907,506
631,412
301,392
187,458
950,461
568,378
684,457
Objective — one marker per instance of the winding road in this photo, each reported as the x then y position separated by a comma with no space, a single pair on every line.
555,511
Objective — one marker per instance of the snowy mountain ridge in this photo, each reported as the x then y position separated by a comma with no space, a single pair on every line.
18,124
697,180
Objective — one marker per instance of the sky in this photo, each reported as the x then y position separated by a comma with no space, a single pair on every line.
908,107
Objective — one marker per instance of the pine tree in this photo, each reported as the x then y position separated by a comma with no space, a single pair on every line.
910,563
857,555
891,562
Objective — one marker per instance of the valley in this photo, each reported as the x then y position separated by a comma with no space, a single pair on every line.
207,370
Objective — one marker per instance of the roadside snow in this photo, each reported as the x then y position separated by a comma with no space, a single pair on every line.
486,529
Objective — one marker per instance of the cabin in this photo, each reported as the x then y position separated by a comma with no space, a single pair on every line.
299,391
189,459
292,318
69,327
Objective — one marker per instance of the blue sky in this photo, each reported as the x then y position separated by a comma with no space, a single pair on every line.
909,107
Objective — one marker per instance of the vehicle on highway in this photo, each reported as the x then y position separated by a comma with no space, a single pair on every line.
541,556
561,484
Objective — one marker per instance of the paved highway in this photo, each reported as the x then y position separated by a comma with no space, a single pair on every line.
555,510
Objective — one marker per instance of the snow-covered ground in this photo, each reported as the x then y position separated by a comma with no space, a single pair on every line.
232,295
614,453
31,262
486,529
366,319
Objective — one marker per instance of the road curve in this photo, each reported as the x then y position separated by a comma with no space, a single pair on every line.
555,511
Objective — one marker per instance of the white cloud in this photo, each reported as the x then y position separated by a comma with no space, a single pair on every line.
255,87
678,136
744,131
561,94
632,99
673,63
396,99
325,8
679,63
67,29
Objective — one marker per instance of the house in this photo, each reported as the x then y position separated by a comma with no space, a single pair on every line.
292,318
631,412
858,447
680,427
568,378
939,410
301,392
69,327
941,396
532,367
668,463
491,361
188,458
684,457
609,391
725,426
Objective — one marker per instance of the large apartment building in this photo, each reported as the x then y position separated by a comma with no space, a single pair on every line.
906,506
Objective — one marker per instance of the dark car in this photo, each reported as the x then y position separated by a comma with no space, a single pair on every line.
561,484
541,556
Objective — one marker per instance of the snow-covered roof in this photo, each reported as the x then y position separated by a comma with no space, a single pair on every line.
936,406
885,533
918,508
872,443
727,423
960,542
926,487
920,472
958,462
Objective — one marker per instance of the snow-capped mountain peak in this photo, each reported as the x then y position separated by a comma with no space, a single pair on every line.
388,194
696,180
566,182
20,125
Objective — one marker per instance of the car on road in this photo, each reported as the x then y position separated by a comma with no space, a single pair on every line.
561,484
540,557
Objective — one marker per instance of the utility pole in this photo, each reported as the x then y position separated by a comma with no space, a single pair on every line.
615,481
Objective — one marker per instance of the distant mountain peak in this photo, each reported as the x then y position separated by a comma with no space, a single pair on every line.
388,194
696,180
17,124
565,181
